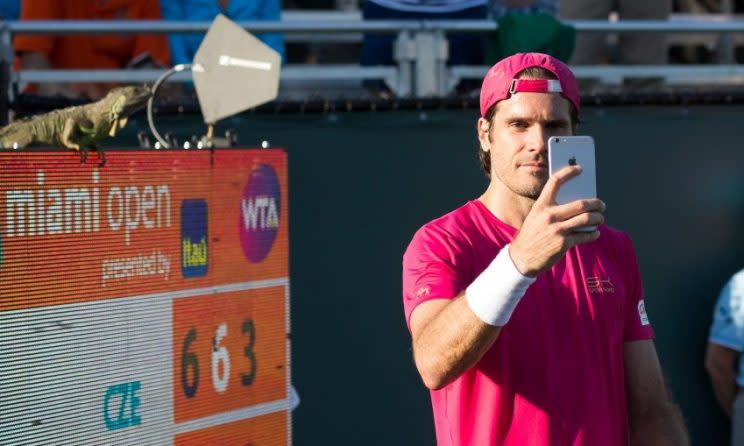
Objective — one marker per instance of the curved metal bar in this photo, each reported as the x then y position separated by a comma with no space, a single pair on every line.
163,77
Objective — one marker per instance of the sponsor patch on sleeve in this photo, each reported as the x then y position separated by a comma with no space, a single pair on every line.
642,312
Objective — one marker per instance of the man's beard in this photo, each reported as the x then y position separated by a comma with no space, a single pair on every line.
532,191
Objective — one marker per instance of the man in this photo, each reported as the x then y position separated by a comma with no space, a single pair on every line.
723,355
527,332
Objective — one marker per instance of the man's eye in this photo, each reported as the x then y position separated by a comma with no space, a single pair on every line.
519,124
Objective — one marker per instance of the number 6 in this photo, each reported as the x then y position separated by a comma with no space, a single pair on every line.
220,354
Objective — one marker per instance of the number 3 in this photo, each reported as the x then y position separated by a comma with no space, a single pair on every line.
248,328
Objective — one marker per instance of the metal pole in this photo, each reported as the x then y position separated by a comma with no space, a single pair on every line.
726,50
426,84
6,65
441,48
404,54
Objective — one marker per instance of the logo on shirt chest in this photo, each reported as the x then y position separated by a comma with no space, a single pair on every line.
598,284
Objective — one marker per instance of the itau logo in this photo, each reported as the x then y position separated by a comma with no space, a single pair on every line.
259,213
194,244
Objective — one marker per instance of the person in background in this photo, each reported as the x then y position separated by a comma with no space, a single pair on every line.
184,45
499,8
723,360
464,48
634,48
10,9
526,26
526,329
85,51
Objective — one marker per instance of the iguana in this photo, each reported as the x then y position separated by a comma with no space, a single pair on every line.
80,127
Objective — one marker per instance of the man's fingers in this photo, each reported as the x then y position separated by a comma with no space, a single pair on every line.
582,220
577,238
568,210
550,191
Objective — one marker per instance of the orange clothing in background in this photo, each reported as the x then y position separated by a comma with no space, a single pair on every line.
90,51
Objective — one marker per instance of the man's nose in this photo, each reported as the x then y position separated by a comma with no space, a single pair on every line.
538,138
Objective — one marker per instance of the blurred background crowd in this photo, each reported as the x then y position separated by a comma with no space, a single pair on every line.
539,23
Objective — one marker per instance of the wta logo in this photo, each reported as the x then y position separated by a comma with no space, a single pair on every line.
259,213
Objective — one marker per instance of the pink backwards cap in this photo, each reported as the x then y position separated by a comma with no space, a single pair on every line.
500,81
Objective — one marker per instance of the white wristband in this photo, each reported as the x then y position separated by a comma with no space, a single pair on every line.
495,293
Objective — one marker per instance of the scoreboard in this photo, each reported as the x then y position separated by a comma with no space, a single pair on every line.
145,302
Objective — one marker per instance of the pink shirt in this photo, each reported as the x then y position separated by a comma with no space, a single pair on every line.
554,376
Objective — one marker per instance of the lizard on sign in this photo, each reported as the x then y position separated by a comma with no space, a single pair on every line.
81,127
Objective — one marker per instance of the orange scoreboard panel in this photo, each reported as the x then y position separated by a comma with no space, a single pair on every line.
263,430
146,301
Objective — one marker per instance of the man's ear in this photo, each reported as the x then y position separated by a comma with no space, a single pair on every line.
482,127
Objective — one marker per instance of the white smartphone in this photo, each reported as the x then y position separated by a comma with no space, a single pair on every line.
568,151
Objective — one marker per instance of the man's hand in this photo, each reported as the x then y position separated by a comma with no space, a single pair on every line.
550,229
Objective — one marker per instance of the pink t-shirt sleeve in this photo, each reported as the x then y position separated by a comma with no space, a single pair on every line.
429,270
637,323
